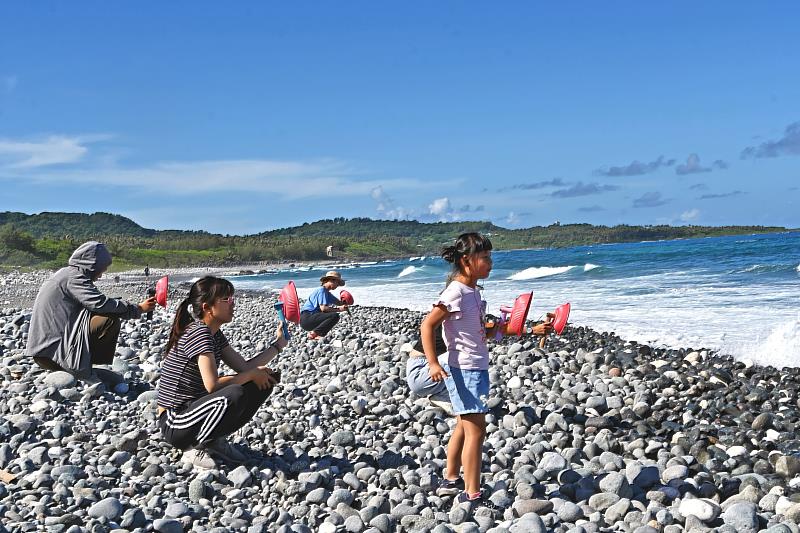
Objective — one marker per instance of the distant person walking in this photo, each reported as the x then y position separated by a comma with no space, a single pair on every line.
74,325
197,407
147,271
321,311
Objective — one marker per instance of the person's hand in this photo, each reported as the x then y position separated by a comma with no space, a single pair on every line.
343,307
147,305
542,329
280,340
262,377
437,373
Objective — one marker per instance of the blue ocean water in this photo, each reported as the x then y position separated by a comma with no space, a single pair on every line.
737,294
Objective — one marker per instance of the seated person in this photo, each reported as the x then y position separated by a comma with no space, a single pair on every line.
198,408
419,379
417,368
321,311
74,325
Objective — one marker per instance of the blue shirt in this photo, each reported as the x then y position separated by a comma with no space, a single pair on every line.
321,296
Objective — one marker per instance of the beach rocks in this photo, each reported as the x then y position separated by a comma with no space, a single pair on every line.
60,380
108,508
592,434
742,517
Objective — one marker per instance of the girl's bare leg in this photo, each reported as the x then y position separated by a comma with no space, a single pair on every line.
472,454
454,451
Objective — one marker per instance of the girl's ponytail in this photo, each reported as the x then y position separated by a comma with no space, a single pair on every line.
449,254
466,244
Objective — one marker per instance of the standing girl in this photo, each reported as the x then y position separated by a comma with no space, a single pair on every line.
198,408
460,310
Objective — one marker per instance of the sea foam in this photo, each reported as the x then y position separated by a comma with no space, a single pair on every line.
539,272
781,348
406,271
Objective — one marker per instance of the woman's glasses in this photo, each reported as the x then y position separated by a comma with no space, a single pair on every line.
228,299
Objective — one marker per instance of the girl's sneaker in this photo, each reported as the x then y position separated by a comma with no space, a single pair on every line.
450,487
480,501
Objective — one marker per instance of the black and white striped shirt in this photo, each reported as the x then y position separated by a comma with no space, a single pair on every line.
181,381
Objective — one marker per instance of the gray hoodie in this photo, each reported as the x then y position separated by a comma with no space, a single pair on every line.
59,328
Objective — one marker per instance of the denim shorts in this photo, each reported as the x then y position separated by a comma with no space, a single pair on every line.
469,390
420,382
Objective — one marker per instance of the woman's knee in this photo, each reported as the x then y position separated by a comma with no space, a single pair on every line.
234,392
249,392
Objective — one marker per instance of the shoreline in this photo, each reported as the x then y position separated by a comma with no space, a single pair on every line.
133,285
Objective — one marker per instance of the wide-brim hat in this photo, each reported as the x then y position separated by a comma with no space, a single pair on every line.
332,274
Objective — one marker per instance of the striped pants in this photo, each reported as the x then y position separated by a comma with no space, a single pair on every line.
215,415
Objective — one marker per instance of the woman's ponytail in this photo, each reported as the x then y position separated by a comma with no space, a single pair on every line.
182,319
205,290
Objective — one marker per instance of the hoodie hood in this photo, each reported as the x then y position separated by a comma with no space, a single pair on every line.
91,257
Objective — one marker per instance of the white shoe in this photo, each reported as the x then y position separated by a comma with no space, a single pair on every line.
199,459
447,407
220,447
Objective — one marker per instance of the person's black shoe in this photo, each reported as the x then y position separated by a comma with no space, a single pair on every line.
480,501
450,487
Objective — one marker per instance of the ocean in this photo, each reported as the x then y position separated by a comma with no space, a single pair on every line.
739,295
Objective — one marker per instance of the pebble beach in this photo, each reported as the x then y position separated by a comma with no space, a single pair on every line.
593,433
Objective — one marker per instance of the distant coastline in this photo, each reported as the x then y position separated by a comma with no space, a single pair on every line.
46,240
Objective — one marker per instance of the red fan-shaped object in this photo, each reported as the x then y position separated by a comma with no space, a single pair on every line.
291,305
346,298
560,320
162,288
519,313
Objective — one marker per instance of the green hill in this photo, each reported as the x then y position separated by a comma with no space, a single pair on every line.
76,225
48,239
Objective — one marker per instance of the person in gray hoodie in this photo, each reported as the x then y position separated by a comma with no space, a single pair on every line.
74,325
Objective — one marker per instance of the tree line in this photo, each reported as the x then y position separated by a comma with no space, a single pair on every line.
48,239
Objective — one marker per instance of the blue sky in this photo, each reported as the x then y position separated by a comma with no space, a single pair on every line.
238,118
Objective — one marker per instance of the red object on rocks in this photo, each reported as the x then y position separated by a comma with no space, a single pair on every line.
291,304
162,288
346,298
560,320
519,313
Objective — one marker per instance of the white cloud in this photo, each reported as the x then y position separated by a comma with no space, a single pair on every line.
287,179
35,161
439,207
53,150
386,206
443,210
512,219
690,215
